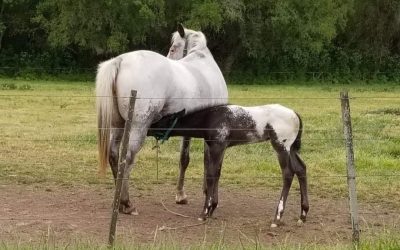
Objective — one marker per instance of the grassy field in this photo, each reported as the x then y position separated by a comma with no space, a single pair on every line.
49,136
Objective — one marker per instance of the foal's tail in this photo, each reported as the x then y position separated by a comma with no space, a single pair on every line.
296,162
297,142
105,88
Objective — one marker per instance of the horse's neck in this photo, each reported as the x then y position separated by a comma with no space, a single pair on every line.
195,55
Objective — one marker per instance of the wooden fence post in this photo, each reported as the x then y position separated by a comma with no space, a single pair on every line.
121,168
351,171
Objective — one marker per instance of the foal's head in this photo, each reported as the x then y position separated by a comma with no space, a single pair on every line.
185,41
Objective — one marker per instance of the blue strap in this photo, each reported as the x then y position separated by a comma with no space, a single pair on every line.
166,135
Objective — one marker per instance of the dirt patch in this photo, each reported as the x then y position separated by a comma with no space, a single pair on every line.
69,214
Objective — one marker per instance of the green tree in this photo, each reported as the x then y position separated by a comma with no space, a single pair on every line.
291,30
105,27
374,28
15,25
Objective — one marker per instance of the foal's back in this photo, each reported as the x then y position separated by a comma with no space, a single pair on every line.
240,125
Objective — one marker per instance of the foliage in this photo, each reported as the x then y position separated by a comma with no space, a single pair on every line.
344,39
101,26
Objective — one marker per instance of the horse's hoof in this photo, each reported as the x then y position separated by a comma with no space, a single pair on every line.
128,209
273,225
300,222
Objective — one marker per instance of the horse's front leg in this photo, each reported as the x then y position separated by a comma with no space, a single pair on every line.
287,176
213,158
181,197
136,139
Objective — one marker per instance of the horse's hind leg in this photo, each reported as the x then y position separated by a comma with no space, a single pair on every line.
301,172
181,197
117,131
116,137
287,176
136,139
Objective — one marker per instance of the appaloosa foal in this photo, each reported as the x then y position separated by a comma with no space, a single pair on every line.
230,125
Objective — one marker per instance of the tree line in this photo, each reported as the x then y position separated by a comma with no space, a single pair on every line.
346,38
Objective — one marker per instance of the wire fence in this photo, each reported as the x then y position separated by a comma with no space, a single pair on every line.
314,179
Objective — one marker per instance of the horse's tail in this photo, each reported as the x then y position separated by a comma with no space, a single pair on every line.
297,142
105,89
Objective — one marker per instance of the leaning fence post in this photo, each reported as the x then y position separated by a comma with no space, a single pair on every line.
351,171
121,168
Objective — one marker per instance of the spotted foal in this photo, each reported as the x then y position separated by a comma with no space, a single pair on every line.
230,125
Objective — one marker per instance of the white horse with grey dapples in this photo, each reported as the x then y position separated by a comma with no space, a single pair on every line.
190,80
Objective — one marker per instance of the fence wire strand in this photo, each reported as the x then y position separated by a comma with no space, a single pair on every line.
311,178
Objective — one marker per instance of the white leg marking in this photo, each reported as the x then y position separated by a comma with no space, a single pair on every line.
280,209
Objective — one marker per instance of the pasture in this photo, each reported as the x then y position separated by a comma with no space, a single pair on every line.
51,194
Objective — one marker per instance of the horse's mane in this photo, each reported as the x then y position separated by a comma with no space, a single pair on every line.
197,40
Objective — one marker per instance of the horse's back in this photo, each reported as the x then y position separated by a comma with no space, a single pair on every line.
148,73
199,82
166,86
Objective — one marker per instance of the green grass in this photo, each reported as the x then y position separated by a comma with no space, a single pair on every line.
48,133
385,242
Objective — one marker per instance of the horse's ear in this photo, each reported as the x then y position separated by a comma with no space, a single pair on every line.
181,30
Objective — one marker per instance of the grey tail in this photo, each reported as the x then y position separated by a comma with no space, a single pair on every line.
297,142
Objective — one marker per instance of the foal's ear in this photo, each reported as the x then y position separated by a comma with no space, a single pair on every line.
181,30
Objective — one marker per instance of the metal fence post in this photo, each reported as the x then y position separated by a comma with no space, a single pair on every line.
121,168
351,171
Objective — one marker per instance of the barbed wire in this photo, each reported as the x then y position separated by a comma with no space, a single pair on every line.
270,203
253,216
204,98
163,178
338,129
311,178
207,140
289,72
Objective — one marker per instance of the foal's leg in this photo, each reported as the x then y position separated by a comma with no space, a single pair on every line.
287,176
181,197
301,172
213,157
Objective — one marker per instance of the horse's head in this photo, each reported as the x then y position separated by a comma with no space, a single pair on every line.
185,41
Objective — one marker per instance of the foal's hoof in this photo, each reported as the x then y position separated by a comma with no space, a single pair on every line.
300,222
181,198
204,216
276,224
